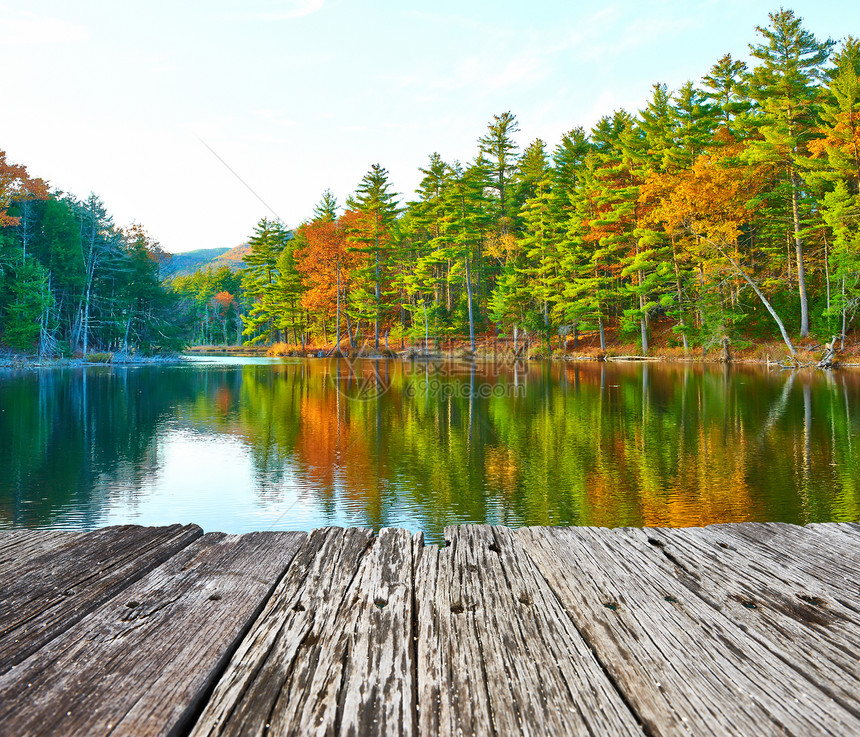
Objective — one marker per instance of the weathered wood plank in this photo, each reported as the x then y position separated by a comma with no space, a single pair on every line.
332,652
497,655
15,536
843,539
17,547
379,693
832,564
795,559
730,629
51,591
816,636
684,666
142,663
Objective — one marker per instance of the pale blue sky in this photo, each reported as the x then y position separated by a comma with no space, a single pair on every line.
300,95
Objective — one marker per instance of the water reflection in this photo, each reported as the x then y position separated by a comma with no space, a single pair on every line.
251,444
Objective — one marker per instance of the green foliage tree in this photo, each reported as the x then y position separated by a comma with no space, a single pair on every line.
374,199
260,281
500,149
783,86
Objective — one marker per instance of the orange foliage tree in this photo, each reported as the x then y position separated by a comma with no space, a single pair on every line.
17,185
714,201
326,264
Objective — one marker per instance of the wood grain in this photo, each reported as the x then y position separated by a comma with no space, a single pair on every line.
48,592
724,630
17,547
783,609
142,663
332,652
497,654
683,665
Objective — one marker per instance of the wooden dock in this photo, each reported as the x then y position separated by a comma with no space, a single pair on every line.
750,629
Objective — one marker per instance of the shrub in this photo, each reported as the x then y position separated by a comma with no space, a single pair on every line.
98,357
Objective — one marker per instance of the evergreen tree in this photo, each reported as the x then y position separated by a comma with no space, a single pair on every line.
657,123
260,281
784,88
694,121
375,200
287,294
425,264
465,223
326,209
540,247
729,91
501,151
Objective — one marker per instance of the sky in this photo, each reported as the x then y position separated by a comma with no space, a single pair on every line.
197,118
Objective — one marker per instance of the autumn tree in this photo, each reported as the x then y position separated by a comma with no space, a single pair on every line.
835,169
326,264
714,201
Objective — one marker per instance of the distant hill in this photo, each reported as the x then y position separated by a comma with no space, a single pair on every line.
234,257
183,264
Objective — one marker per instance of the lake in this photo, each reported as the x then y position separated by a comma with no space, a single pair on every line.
241,444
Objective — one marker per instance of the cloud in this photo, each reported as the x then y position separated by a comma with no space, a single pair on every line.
22,28
282,10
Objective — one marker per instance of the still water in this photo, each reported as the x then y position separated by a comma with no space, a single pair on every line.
241,444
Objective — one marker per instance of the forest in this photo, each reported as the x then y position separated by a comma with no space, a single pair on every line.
727,209
72,282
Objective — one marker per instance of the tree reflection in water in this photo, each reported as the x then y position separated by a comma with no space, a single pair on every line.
424,445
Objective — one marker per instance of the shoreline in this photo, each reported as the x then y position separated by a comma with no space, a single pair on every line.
25,363
803,359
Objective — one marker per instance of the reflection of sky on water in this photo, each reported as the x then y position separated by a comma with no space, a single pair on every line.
210,480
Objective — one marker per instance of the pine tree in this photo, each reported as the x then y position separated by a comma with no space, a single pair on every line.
464,225
620,145
695,121
568,164
100,241
586,269
287,295
326,209
429,265
658,126
784,87
568,173
373,199
729,91
501,150
259,281
540,247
